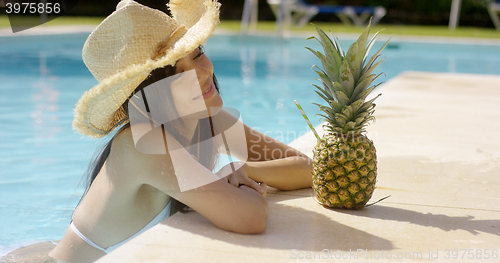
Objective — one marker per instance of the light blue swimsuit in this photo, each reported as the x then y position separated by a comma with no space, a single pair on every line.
164,214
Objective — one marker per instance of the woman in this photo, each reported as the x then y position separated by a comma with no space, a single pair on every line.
159,164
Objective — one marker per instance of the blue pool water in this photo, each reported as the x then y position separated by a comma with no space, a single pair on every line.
41,78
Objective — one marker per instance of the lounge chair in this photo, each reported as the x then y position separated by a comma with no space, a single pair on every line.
295,10
301,12
494,10
281,11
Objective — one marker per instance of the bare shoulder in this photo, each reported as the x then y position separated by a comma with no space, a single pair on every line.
140,141
36,253
121,160
140,154
123,141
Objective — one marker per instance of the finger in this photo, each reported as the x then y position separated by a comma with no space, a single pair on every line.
264,189
233,180
253,184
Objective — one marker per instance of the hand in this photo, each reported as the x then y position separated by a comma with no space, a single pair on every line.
263,185
239,177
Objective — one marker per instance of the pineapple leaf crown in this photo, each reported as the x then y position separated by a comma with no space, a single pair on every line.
346,79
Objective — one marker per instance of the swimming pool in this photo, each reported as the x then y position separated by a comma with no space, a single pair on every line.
42,77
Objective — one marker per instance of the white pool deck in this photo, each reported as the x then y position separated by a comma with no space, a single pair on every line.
438,147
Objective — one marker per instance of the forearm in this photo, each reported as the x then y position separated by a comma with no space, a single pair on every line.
237,209
251,214
285,174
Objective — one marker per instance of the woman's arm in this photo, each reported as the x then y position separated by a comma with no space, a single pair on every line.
269,160
288,173
275,163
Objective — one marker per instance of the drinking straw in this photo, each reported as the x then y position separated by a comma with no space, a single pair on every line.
307,119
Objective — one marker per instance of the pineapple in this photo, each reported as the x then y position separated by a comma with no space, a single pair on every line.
345,161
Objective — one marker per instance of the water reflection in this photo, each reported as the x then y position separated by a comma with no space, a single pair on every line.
247,56
45,100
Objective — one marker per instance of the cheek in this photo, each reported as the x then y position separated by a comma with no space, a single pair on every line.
177,98
208,66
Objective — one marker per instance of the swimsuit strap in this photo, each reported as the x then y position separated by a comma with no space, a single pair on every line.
82,236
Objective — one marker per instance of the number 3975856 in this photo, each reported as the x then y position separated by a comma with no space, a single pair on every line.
33,8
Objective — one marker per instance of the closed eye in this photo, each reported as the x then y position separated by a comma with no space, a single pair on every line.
201,52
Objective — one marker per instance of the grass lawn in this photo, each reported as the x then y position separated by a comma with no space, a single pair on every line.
269,26
407,30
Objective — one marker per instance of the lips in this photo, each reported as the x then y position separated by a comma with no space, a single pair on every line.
207,93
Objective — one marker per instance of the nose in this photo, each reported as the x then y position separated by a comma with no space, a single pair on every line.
204,71
202,74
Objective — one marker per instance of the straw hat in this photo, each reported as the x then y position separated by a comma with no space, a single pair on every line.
130,43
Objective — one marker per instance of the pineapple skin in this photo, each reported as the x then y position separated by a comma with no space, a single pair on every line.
344,170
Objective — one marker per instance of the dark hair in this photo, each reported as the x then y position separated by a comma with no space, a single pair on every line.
205,129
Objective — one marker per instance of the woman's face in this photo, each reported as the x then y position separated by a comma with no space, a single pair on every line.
194,92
